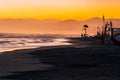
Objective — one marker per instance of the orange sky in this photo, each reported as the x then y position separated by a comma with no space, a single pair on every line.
59,9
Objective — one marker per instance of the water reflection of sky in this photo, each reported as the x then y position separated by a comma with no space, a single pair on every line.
9,44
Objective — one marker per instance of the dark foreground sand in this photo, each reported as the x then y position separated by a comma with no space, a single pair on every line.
93,61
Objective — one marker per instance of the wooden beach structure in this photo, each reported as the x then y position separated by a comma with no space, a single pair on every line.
109,34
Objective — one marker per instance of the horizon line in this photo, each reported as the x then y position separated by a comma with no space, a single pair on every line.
60,19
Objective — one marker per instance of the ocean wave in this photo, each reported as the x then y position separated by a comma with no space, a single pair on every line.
7,44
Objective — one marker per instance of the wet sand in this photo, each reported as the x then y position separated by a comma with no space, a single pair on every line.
93,61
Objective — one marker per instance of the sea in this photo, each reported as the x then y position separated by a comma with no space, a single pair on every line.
11,42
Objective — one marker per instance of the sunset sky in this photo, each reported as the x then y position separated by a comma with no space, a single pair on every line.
59,9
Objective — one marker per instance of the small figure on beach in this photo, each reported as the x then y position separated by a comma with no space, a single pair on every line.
82,35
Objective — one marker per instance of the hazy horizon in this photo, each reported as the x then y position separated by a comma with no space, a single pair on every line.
63,19
52,26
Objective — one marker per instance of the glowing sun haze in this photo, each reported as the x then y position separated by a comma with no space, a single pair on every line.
59,9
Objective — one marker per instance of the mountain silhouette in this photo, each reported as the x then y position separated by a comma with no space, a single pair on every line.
52,26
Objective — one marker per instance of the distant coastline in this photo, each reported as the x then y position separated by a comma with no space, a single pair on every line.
52,26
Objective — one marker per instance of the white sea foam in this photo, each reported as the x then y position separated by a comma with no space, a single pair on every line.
10,44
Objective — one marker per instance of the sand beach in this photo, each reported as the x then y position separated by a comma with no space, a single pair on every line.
84,60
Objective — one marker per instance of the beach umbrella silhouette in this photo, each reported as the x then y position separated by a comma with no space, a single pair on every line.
85,28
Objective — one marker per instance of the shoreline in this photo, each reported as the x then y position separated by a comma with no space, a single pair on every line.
7,58
55,42
70,62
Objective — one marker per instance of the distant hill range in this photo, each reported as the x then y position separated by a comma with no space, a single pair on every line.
52,26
